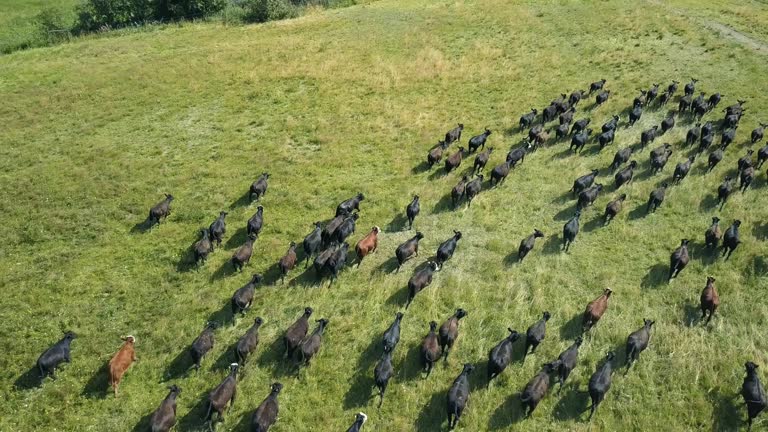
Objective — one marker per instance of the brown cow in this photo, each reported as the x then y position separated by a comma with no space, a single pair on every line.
595,310
367,244
121,361
709,299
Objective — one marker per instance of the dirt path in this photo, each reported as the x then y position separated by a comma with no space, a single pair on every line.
718,27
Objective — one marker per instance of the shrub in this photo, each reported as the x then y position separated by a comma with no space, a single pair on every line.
189,9
95,15
52,27
269,10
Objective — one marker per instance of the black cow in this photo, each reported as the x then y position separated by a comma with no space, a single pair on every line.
58,353
571,230
446,248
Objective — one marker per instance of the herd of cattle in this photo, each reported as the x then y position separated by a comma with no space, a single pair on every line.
328,245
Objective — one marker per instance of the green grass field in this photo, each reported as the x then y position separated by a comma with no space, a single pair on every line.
348,100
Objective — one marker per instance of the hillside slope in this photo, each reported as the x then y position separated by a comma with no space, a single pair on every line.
351,100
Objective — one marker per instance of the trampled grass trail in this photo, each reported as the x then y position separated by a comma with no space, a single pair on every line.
346,101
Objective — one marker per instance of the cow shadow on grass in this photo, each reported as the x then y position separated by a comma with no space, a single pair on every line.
308,277
760,231
563,198
226,269
511,411
570,330
411,367
141,227
637,213
238,239
439,173
28,380
595,223
194,419
571,406
361,392
707,256
243,201
553,245
726,407
708,203
98,385
691,314
511,259
444,205
397,224
227,357
144,424
179,366
420,168
565,214
388,266
432,415
187,259
399,298
656,276
272,359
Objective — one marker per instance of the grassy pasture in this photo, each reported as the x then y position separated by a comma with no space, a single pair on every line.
351,100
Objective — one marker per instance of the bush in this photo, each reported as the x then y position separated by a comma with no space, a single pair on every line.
188,9
95,15
269,10
52,27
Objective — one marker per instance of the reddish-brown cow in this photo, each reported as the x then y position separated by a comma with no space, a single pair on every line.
595,310
121,361
367,244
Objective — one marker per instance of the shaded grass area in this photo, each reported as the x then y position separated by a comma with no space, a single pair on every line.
346,101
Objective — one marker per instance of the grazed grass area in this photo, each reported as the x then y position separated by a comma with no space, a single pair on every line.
346,101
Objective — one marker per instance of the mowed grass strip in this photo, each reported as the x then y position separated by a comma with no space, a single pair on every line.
349,101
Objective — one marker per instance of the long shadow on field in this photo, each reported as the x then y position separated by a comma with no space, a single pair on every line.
187,259
726,411
28,380
444,205
570,330
194,419
433,414
412,367
397,224
565,214
399,297
759,266
308,277
360,392
507,414
657,276
760,231
563,198
595,223
242,201
271,359
512,259
238,238
420,168
553,245
245,422
179,366
637,213
141,227
387,266
226,269
707,256
692,314
98,385
708,203
572,405
143,424
439,173
227,357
